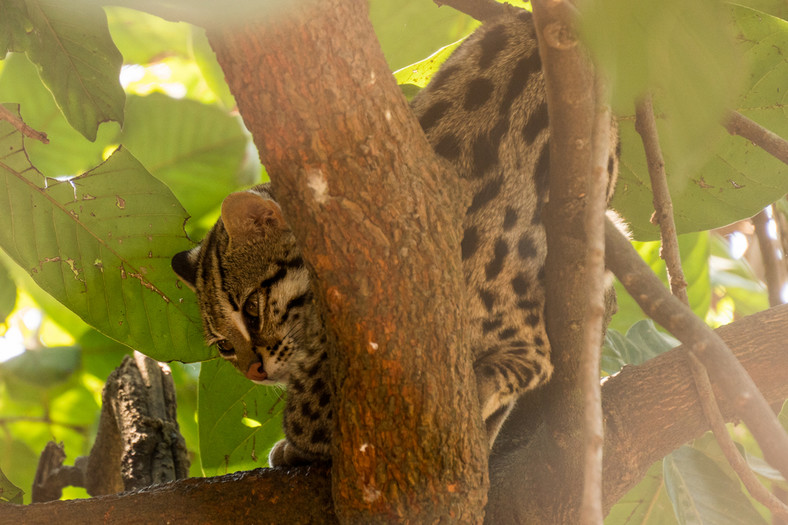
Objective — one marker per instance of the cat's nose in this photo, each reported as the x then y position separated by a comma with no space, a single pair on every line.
256,372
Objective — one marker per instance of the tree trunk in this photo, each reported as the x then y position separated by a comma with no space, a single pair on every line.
379,224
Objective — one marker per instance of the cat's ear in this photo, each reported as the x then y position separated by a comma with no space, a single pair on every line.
249,216
185,266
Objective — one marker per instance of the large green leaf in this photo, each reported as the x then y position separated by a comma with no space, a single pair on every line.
68,152
13,23
738,178
144,38
199,151
702,493
239,421
101,244
78,61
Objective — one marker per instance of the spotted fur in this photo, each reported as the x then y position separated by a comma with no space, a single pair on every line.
485,114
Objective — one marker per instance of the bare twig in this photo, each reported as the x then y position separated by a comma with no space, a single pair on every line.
8,115
481,10
646,126
738,124
679,320
771,269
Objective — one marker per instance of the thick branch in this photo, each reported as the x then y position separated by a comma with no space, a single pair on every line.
678,319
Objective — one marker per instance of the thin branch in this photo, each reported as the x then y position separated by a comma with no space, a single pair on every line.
738,124
679,320
8,115
596,204
481,10
646,126
714,417
771,270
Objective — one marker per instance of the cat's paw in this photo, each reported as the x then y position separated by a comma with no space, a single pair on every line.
285,454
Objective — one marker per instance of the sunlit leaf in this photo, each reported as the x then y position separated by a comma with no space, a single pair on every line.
143,38
212,72
77,61
702,493
416,76
239,421
103,243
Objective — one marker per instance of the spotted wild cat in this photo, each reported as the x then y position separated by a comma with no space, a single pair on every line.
484,113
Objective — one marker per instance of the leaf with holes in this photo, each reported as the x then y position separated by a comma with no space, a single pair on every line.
239,421
101,244
77,61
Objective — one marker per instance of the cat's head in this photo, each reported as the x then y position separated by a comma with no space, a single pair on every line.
252,286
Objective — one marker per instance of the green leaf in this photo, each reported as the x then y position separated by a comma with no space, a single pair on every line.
7,293
44,366
13,25
143,38
211,71
646,503
419,74
68,152
102,246
642,342
78,62
239,421
198,150
738,178
9,492
702,493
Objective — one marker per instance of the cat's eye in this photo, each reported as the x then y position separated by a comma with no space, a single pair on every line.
225,348
251,307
